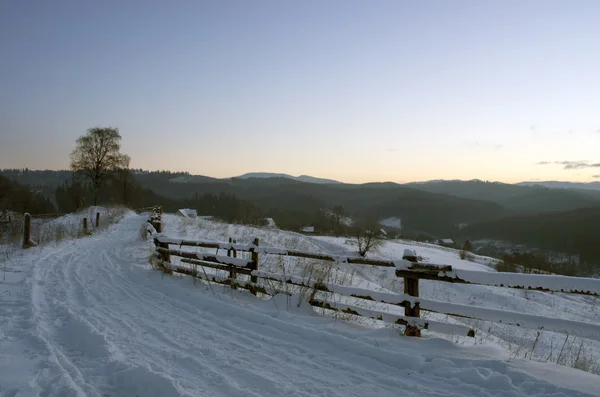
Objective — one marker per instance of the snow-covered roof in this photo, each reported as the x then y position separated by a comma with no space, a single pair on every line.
188,212
270,222
394,222
446,241
308,229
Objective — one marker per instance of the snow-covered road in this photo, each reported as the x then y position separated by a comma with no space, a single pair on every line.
90,318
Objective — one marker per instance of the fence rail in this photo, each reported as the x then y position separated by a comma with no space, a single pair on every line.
407,268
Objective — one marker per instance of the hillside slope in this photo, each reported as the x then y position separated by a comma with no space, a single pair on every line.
574,232
516,198
419,210
90,318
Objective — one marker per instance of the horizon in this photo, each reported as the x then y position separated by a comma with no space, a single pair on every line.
355,92
318,177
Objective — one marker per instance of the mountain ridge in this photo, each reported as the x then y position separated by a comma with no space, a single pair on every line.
301,178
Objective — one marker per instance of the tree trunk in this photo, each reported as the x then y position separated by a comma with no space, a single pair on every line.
125,193
96,195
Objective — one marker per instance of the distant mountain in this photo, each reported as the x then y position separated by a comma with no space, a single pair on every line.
301,178
289,201
564,185
516,198
192,179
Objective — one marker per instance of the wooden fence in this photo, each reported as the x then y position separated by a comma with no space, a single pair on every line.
406,268
27,241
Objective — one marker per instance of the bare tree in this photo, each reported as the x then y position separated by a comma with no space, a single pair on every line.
465,252
97,156
368,236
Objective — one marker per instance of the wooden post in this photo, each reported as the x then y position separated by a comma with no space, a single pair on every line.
165,256
85,228
27,231
411,287
97,219
232,275
157,223
254,264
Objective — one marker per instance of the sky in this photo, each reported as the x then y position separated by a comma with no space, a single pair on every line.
356,91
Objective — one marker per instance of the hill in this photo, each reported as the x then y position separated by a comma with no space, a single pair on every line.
434,207
516,198
574,232
292,203
564,185
90,317
301,178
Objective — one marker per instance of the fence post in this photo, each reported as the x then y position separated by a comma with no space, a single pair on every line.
27,230
157,221
254,264
411,287
232,275
165,256
85,226
97,220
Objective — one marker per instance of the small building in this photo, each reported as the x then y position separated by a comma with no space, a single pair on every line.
446,242
308,229
188,213
393,222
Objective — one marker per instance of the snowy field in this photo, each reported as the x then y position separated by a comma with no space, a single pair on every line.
519,342
89,317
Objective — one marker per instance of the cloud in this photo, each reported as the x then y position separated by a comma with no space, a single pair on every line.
571,165
595,176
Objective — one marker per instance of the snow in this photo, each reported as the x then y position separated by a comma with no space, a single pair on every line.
270,222
529,281
90,317
435,326
577,328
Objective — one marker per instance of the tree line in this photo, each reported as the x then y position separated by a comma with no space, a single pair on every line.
572,232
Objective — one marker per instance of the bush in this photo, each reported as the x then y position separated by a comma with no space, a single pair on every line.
507,267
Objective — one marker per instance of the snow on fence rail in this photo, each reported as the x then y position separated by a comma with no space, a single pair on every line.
410,270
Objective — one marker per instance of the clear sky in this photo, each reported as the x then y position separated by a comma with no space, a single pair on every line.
351,90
